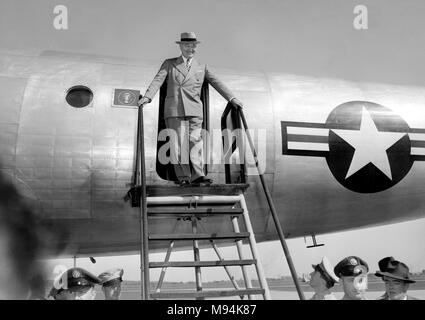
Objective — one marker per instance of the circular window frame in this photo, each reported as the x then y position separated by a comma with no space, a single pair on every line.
84,87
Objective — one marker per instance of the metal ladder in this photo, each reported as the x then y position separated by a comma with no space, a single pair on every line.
198,209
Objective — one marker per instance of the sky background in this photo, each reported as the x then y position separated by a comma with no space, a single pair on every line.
312,38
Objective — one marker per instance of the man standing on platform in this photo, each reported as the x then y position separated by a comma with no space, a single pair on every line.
183,109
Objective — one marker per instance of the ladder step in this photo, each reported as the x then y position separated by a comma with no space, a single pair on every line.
199,236
205,294
183,264
198,212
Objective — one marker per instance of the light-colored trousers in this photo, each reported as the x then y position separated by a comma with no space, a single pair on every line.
186,152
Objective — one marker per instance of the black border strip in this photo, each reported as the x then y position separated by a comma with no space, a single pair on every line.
416,130
417,144
417,157
310,153
307,138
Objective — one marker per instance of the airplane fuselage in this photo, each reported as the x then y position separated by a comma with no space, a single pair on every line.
337,155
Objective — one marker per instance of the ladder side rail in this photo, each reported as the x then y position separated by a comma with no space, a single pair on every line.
144,246
247,278
255,254
197,257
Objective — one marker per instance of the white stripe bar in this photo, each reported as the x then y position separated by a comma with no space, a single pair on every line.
417,151
312,146
417,136
308,131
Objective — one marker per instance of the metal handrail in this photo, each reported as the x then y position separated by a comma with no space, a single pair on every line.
230,109
270,202
140,181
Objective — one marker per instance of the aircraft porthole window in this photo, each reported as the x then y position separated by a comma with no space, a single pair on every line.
79,96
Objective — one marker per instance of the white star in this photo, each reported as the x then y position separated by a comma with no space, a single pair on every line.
371,145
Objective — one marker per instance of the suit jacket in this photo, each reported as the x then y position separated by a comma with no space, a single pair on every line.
184,87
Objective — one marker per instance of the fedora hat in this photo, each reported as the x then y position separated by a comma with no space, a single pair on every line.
111,277
389,267
188,37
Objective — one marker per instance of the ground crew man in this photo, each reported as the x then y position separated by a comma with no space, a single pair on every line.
352,272
322,279
75,284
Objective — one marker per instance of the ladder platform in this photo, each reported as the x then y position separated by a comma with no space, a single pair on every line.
205,294
198,212
186,264
200,236
215,189
189,190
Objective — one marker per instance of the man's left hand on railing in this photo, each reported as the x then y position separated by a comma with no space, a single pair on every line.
143,101
236,103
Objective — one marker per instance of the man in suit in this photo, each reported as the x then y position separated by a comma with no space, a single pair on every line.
111,283
183,109
395,275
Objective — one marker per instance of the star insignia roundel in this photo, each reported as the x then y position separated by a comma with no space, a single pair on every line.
368,147
370,151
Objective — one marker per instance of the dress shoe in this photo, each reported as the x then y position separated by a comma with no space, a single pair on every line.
202,180
184,183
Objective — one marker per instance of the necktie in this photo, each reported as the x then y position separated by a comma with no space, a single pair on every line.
188,64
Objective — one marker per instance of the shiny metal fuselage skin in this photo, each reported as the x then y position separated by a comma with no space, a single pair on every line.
74,165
